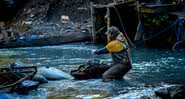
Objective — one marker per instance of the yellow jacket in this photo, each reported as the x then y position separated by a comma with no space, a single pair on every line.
117,45
117,48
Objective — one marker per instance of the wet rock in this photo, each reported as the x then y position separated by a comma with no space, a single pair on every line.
51,73
19,64
171,92
4,96
69,29
26,22
26,86
40,79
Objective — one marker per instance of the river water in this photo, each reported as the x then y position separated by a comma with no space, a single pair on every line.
150,67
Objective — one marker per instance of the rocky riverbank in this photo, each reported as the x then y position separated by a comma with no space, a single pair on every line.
47,16
70,19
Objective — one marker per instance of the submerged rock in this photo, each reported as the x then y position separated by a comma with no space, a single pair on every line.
171,92
51,73
26,86
41,79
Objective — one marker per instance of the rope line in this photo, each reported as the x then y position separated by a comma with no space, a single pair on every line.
158,32
123,26
173,48
100,29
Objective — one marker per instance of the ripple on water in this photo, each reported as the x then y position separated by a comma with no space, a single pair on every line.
143,93
149,67
74,47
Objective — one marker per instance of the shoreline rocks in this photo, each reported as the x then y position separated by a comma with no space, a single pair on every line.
171,92
26,86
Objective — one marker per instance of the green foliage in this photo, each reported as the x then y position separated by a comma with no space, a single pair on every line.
154,20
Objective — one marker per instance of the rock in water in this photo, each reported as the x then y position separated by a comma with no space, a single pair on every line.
171,92
26,86
4,96
53,73
41,79
20,64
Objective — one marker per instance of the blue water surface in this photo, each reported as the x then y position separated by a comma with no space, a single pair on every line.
150,67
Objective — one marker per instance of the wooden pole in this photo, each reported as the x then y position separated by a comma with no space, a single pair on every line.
93,22
108,23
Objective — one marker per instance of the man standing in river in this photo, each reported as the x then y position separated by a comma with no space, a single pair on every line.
118,48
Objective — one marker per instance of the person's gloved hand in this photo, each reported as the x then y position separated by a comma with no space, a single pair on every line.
93,51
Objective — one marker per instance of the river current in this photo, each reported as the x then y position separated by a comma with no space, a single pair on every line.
150,67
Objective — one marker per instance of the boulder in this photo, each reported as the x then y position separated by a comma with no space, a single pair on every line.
41,79
171,92
26,86
51,73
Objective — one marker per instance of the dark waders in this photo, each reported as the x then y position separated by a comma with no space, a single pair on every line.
117,71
